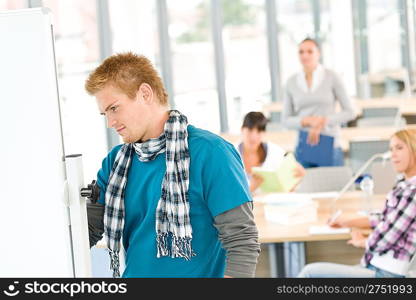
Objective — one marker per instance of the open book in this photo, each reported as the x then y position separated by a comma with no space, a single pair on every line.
282,178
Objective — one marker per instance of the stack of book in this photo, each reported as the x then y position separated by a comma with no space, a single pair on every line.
290,208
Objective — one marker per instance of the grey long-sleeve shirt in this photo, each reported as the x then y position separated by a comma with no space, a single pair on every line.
299,103
236,231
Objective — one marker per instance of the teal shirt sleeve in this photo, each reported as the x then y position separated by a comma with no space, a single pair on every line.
104,173
224,181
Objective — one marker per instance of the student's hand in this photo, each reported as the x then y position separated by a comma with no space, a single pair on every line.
299,171
358,239
339,222
256,181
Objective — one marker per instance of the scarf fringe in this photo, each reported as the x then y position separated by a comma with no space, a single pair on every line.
180,247
115,263
162,244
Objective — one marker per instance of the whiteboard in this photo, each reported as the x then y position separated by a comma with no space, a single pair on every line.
34,233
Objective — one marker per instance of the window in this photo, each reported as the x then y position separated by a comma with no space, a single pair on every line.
296,22
383,34
247,74
387,74
336,37
77,53
134,27
193,62
13,4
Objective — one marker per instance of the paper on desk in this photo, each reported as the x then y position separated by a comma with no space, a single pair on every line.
325,229
324,195
284,198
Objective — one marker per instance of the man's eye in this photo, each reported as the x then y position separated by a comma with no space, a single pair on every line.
113,109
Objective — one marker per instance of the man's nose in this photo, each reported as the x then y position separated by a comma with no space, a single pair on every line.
110,122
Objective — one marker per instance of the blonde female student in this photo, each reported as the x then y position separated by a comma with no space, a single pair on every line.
392,243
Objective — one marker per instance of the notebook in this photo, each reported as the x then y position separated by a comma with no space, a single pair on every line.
321,154
325,229
282,178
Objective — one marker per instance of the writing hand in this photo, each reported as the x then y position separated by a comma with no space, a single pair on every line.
335,220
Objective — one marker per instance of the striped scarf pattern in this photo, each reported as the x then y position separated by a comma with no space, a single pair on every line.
172,213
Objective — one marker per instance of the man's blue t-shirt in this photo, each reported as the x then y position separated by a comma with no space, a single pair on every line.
217,183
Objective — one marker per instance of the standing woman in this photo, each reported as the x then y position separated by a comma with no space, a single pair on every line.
392,244
310,102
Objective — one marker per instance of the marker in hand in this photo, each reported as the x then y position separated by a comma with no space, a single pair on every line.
334,216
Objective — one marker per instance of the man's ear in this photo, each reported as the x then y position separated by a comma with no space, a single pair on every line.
146,93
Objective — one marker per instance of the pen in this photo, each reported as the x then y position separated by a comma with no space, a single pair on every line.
334,216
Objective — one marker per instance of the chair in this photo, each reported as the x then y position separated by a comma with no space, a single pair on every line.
411,271
381,121
324,179
275,123
380,112
275,116
381,116
384,176
361,151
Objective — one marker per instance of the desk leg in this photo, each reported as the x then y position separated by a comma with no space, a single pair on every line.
276,260
294,255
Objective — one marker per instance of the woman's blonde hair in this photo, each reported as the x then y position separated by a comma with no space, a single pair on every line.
408,136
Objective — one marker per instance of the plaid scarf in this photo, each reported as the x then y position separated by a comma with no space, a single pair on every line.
172,213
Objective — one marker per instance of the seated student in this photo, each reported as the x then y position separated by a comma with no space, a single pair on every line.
255,152
392,243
